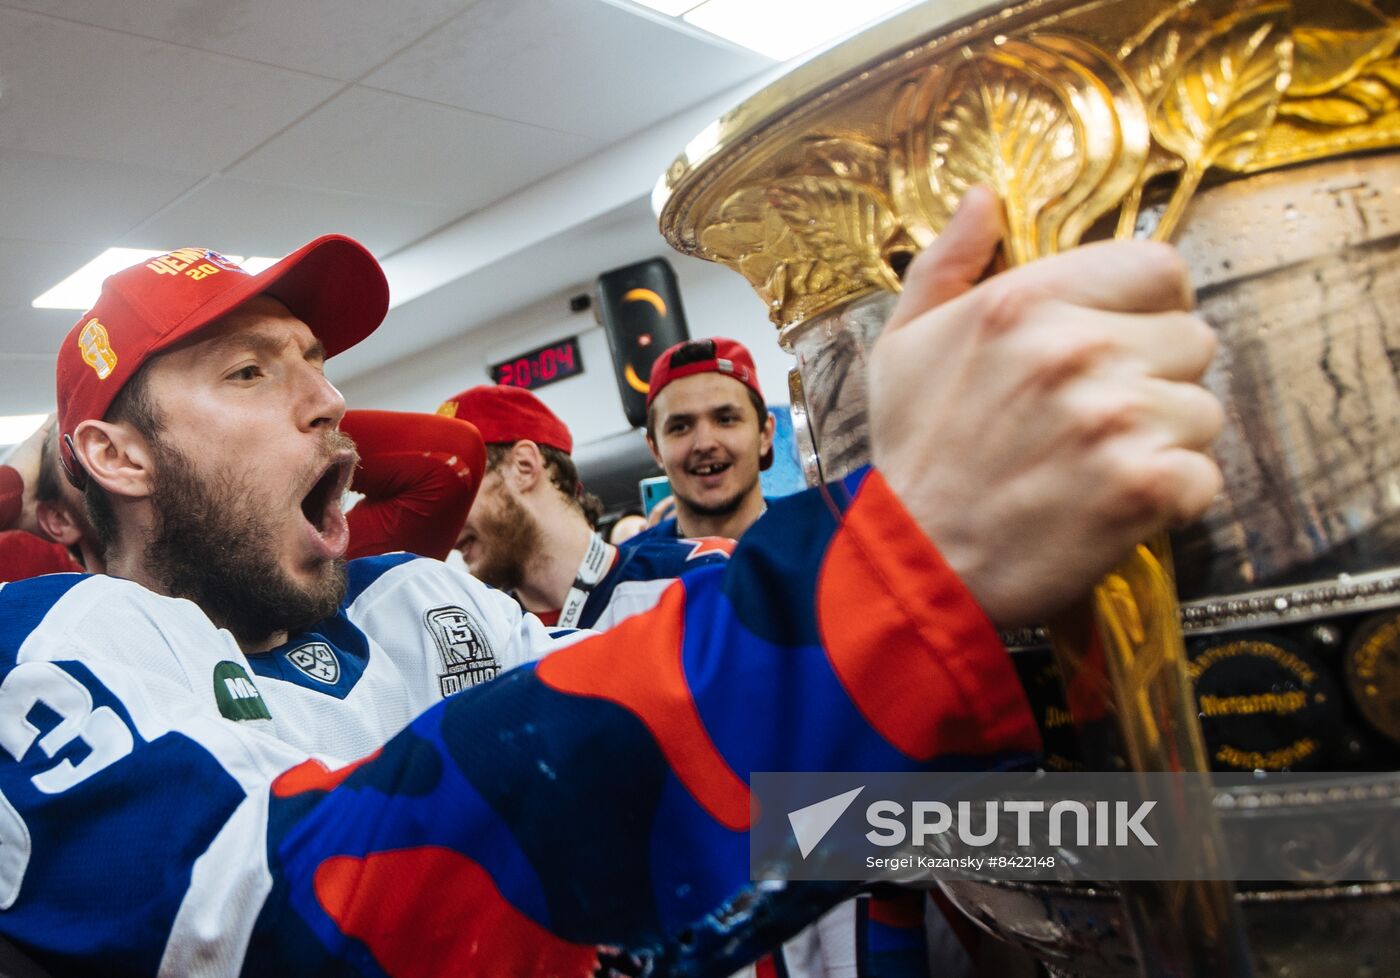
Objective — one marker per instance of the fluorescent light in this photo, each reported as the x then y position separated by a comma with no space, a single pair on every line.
257,263
783,29
671,8
81,289
15,428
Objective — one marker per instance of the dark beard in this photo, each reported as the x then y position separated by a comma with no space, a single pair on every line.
725,507
212,543
510,539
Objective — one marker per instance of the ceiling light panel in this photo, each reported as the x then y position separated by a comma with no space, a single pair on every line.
671,8
783,29
15,428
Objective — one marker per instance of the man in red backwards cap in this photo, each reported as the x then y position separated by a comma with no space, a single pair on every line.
710,431
529,531
304,789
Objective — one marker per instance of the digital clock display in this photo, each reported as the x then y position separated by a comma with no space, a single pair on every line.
540,366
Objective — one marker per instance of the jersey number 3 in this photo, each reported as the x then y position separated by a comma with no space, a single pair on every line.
105,736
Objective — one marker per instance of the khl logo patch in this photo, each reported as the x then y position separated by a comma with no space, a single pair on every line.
316,660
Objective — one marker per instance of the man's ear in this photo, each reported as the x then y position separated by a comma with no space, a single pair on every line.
527,465
57,523
116,456
765,434
655,455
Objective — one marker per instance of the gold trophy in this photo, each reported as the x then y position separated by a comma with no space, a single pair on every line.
1261,138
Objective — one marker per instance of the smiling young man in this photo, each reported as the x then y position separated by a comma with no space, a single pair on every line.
711,433
213,791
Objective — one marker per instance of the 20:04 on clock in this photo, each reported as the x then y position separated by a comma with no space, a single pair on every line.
540,366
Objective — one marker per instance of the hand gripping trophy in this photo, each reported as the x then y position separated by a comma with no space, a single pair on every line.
1263,139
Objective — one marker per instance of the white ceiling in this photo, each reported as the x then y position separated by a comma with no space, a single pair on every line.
450,136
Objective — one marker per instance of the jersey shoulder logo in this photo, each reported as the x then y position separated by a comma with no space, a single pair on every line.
235,694
466,656
317,660
700,546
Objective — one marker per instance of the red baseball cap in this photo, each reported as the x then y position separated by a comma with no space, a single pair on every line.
715,354
332,284
505,414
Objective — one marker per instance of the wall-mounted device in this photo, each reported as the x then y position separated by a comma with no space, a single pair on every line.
639,307
540,366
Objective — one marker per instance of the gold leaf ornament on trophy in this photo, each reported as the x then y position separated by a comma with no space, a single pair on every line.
1052,123
1149,58
1117,139
1343,70
1335,42
845,224
1221,98
806,236
995,118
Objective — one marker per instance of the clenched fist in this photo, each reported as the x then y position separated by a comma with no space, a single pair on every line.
1040,423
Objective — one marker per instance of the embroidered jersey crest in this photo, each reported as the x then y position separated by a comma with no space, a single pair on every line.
316,660
466,656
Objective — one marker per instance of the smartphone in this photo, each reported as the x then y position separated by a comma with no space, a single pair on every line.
654,489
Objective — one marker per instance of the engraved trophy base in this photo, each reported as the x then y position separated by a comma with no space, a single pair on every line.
1308,932
1290,584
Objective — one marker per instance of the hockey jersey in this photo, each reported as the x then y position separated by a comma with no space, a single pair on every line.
667,529
171,806
639,575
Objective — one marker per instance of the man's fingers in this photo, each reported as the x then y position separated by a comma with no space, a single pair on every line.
1195,481
956,260
1170,345
1152,414
1121,276
1190,416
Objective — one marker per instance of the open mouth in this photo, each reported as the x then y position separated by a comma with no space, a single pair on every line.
714,468
321,504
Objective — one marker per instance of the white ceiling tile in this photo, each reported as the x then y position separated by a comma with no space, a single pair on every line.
27,333
79,91
240,217
336,38
573,65
57,198
378,144
571,260
23,266
27,384
175,122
